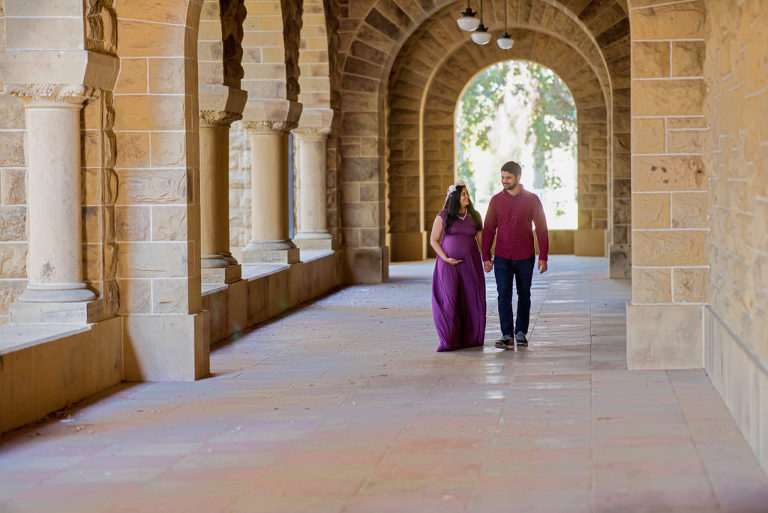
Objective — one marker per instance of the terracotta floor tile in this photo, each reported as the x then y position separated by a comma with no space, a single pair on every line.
345,406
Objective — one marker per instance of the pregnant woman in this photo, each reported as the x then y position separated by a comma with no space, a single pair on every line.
458,284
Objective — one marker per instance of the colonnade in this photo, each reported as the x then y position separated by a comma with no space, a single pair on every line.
56,291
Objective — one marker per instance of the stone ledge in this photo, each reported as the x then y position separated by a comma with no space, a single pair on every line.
44,368
267,290
14,337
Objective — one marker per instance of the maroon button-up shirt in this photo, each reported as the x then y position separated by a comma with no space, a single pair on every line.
509,219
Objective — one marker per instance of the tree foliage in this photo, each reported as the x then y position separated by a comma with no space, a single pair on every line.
552,123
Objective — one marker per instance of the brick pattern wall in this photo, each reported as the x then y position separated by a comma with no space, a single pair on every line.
270,58
156,120
669,181
736,152
13,210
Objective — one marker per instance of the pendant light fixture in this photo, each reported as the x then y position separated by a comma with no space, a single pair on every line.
468,20
505,42
481,35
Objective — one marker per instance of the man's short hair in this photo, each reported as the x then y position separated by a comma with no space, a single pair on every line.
511,167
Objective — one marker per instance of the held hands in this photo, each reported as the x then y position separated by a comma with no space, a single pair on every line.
487,266
542,266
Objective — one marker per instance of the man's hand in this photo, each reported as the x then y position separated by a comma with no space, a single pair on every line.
488,266
542,266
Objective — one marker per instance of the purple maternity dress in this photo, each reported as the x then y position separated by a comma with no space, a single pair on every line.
458,291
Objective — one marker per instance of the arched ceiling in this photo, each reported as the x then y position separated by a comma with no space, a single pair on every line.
598,28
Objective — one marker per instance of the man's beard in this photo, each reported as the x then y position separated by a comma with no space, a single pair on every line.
510,186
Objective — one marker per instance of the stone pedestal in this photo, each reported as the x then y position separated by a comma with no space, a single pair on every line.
217,263
664,336
313,225
269,195
55,291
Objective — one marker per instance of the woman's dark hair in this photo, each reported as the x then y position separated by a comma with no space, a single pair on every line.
452,206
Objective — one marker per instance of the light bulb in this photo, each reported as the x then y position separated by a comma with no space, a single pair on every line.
505,42
468,21
481,36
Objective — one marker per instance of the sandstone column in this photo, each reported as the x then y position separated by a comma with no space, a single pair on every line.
55,291
313,224
269,194
218,265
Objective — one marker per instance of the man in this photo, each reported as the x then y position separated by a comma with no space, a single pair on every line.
509,218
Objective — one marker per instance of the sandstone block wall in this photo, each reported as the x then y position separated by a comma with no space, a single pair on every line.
669,180
735,156
13,212
157,208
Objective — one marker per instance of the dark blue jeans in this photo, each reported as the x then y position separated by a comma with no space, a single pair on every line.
522,272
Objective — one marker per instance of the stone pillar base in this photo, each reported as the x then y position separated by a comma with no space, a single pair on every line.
76,312
165,347
216,275
367,265
589,242
620,261
664,337
314,242
408,246
269,256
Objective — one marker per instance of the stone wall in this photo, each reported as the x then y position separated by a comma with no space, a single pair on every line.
735,156
13,212
669,183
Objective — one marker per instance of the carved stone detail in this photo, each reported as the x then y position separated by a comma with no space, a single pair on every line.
312,132
233,14
332,15
218,117
101,27
292,22
67,93
270,126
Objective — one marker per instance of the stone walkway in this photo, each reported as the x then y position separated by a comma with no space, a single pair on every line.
344,406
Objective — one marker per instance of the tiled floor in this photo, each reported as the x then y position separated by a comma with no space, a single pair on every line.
344,406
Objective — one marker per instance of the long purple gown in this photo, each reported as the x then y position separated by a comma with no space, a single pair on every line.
458,291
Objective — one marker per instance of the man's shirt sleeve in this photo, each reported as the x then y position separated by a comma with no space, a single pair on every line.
542,234
489,230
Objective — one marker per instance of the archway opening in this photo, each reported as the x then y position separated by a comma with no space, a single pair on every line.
522,111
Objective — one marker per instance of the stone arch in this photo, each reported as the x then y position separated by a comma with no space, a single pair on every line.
316,138
271,42
382,31
433,125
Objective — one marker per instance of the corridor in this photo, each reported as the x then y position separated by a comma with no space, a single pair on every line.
344,406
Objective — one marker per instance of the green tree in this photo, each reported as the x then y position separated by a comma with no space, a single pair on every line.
552,124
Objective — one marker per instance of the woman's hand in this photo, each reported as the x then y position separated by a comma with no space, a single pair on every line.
452,261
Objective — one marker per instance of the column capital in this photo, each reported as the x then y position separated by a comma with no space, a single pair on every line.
218,117
72,94
268,127
312,132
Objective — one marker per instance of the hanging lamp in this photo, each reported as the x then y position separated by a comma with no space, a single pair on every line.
468,20
481,35
505,42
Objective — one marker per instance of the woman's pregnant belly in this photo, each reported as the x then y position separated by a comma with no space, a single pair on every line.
459,246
